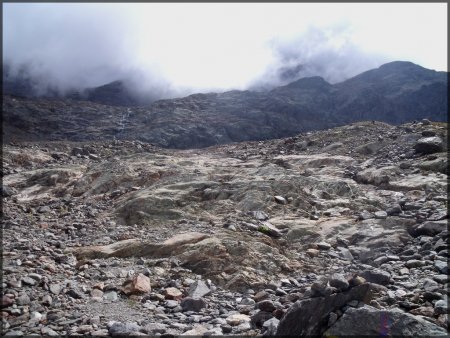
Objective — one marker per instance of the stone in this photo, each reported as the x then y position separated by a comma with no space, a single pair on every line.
139,284
430,285
265,305
426,311
237,319
260,317
312,252
125,329
441,307
74,293
380,214
441,266
110,296
339,282
271,326
23,299
154,328
198,289
270,230
414,263
364,215
97,293
429,145
305,317
7,301
197,330
260,215
280,199
376,276
28,281
369,321
323,246
193,304
260,295
172,293
46,331
55,288
428,228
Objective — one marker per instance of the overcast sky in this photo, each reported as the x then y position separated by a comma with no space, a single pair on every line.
202,47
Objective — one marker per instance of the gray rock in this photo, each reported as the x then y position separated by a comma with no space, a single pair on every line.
23,299
270,230
193,304
198,289
380,214
28,281
429,145
339,282
441,266
369,321
74,293
265,305
365,215
441,307
414,263
55,289
429,228
271,326
260,215
260,317
430,285
305,317
171,303
376,276
323,246
46,331
110,296
154,328
280,199
16,333
126,329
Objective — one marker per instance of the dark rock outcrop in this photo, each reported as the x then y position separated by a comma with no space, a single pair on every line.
308,317
368,321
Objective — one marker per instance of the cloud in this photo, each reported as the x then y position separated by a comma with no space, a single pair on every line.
166,50
326,52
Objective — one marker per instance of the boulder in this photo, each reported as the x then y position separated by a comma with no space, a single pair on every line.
307,317
139,284
369,321
429,145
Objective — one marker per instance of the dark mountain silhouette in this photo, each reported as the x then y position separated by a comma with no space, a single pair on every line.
396,92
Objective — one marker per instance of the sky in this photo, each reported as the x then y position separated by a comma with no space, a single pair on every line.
177,48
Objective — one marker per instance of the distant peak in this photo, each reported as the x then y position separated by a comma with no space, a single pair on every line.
399,65
309,83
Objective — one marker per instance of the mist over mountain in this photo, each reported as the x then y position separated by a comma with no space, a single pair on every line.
396,92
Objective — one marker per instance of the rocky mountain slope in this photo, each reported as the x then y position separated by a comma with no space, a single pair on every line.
397,92
308,235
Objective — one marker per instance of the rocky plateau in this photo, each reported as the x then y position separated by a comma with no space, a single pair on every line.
335,232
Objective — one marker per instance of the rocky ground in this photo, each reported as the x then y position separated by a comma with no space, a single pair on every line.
335,232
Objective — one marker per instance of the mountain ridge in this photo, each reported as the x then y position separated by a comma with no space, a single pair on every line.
397,92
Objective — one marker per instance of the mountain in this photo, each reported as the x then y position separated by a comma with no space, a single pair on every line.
396,92
116,93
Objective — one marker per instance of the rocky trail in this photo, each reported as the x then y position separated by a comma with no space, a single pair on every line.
336,232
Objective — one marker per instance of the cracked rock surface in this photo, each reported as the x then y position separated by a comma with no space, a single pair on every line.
125,238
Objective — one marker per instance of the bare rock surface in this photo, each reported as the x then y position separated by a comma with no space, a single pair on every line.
125,238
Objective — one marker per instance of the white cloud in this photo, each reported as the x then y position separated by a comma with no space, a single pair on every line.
216,46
